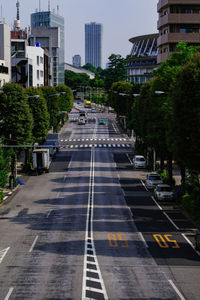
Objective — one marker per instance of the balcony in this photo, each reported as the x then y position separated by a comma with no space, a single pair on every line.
178,37
163,3
178,19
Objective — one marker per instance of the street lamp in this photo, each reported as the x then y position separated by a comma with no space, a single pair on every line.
136,95
159,92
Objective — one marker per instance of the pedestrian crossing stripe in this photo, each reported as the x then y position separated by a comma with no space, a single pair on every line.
96,146
100,139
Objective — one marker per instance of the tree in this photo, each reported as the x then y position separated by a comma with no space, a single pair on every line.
53,105
74,80
66,100
16,119
38,106
185,95
90,68
116,70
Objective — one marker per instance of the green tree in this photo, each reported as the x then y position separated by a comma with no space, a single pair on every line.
5,159
74,80
38,106
185,96
90,68
66,100
116,70
16,119
53,105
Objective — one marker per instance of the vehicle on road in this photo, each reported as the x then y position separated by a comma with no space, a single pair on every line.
81,121
102,122
83,114
88,104
152,180
139,162
41,160
163,192
93,110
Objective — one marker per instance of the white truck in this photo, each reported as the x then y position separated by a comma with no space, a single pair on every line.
41,160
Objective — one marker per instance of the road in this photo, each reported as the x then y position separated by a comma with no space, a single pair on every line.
89,229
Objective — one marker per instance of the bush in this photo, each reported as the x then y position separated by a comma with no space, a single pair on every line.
189,203
1,196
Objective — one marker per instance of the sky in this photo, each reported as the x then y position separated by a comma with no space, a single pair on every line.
121,19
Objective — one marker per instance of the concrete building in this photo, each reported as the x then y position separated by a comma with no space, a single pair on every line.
179,20
79,70
93,44
48,28
76,60
143,58
27,64
5,60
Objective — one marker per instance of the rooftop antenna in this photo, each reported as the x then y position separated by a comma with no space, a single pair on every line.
17,5
57,9
49,6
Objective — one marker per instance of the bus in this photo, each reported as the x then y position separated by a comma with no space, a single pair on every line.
87,104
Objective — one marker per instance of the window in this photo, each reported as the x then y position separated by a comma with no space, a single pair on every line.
38,74
41,74
38,60
41,59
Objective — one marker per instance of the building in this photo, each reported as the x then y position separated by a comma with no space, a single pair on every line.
179,20
27,64
5,61
76,60
74,69
143,58
48,28
93,44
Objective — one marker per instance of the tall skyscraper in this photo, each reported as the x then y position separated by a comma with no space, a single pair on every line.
55,44
93,44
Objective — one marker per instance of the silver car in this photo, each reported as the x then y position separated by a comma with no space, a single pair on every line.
139,162
152,180
163,192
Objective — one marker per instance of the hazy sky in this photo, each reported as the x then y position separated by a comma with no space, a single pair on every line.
121,19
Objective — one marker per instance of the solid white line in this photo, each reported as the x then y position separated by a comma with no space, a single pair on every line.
176,290
9,293
171,221
49,213
144,185
152,197
3,254
129,159
34,242
190,243
131,212
142,238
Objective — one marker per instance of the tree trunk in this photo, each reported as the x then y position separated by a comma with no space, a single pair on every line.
169,167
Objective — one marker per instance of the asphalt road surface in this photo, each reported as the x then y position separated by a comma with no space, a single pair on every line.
89,229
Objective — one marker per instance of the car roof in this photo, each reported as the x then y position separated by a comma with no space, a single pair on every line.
139,156
153,174
163,185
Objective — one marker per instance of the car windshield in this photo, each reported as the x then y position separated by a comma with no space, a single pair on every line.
154,177
164,189
139,159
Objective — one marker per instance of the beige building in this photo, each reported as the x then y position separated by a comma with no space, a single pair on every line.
179,20
5,64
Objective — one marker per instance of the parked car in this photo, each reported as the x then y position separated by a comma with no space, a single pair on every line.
163,192
139,162
81,121
93,110
152,180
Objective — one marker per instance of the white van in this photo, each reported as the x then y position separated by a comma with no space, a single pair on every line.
81,121
139,162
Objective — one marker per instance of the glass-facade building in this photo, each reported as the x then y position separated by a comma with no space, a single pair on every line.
93,44
50,19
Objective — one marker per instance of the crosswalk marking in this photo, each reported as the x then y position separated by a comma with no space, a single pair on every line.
95,139
96,145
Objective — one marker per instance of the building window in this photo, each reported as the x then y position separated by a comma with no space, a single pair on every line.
41,74
38,60
38,74
41,60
